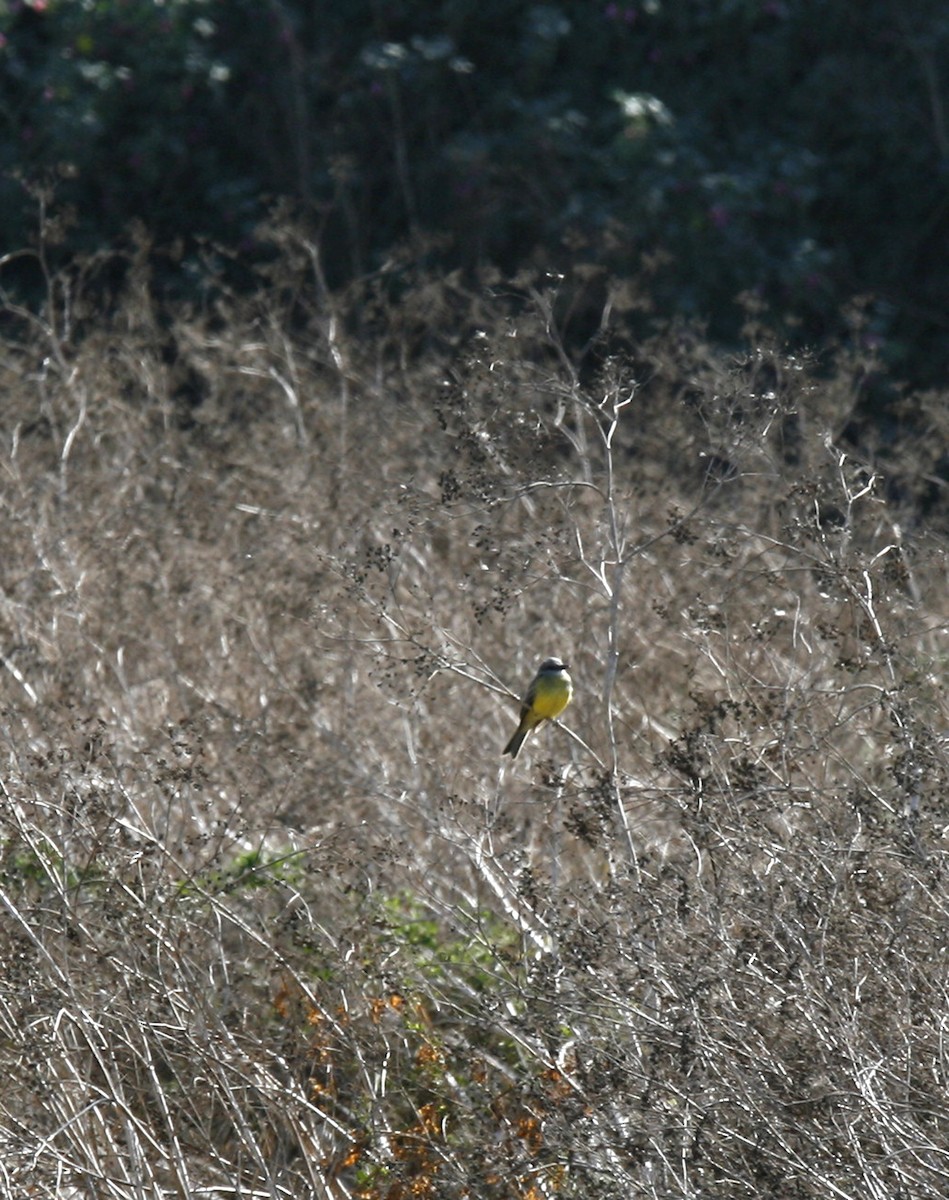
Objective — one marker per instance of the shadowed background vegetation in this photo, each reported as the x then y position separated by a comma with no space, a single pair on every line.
288,526
790,149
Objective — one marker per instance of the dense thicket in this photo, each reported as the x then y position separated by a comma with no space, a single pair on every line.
274,920
796,150
292,511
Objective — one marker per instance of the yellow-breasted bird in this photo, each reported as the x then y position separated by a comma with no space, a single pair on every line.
547,697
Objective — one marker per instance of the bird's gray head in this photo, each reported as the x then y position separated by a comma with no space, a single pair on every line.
552,664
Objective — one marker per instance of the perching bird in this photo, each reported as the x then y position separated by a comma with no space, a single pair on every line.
547,697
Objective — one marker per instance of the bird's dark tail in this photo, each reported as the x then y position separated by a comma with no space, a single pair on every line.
516,742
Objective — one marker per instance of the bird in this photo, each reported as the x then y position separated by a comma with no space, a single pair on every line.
546,698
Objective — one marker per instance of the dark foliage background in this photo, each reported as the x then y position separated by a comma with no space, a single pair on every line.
796,150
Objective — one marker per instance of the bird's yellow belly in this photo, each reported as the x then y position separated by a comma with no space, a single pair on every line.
551,700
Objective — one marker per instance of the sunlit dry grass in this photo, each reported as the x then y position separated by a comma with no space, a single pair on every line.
276,920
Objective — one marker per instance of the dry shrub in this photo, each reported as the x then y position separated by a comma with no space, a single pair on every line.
276,922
